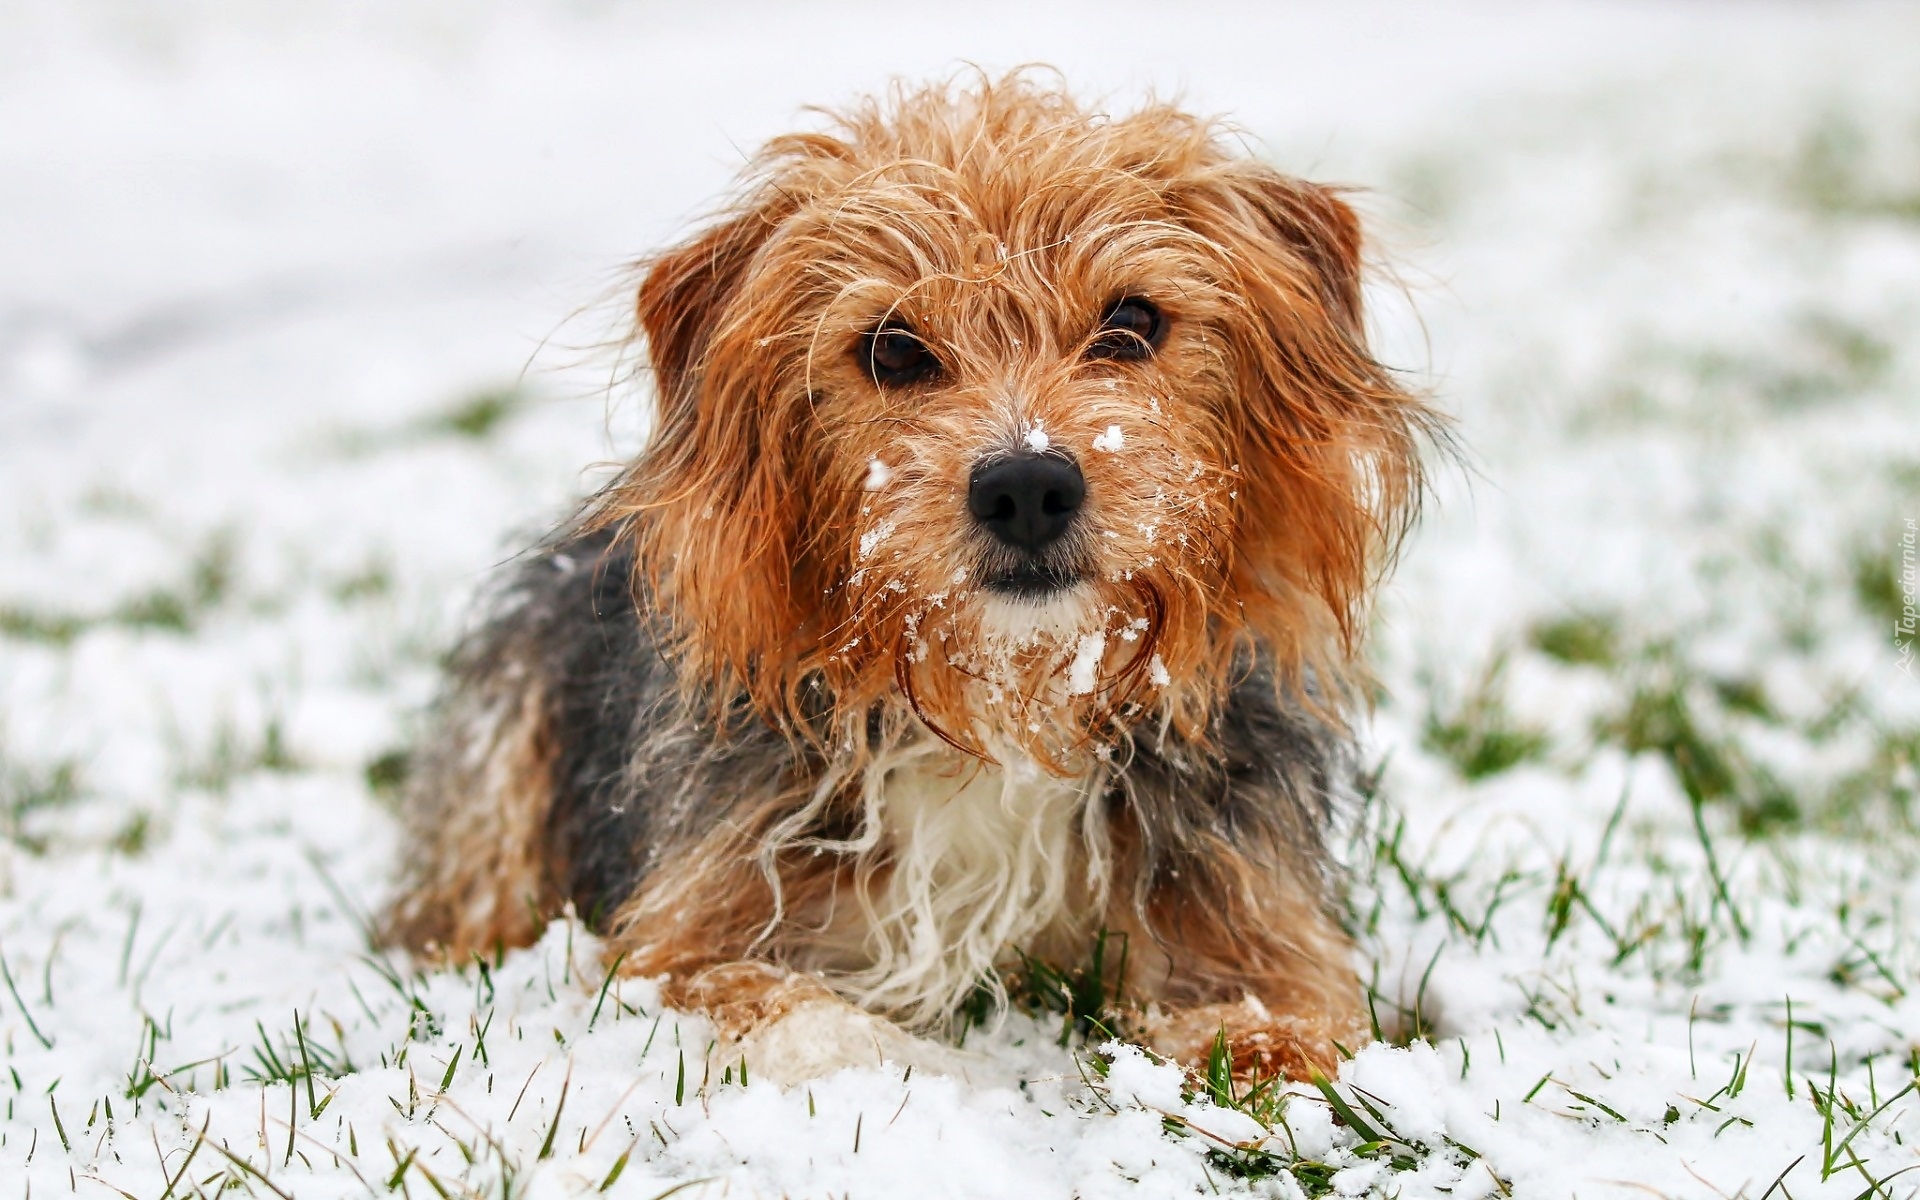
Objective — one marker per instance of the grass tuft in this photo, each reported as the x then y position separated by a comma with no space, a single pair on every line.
234,755
1479,736
371,582
30,793
1580,639
1876,584
31,625
1667,714
178,609
295,1055
474,418
1831,174
387,773
1090,999
479,415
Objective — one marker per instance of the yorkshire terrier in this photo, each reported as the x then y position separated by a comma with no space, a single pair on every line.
993,579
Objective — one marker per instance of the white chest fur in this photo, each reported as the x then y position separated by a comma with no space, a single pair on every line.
971,862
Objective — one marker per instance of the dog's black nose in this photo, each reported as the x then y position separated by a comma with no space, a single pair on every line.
1028,500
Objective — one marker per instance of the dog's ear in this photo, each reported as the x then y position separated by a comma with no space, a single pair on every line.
1325,232
682,296
1297,243
708,504
1328,436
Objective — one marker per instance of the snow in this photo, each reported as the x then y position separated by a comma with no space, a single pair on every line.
305,322
871,539
1111,441
1083,673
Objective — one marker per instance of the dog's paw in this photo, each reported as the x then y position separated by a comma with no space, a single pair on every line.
790,1027
1259,1042
824,1034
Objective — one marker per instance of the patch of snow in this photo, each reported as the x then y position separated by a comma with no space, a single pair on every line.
871,539
1084,672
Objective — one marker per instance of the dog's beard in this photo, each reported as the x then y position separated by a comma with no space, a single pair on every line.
1047,675
1010,624
1052,654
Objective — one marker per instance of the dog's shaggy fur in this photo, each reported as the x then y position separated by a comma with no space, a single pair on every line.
784,716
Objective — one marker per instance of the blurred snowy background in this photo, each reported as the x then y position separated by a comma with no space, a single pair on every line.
300,317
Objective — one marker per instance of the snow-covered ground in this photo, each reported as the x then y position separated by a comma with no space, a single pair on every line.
301,316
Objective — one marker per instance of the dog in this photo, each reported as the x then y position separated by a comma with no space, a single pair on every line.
993,581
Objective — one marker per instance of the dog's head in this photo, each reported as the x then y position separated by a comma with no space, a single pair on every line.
1025,418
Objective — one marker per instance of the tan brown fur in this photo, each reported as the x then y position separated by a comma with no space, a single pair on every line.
1001,220
485,878
1249,952
716,905
801,558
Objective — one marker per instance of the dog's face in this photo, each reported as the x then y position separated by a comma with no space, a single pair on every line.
1028,418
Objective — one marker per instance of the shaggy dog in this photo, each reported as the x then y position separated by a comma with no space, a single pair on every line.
991,582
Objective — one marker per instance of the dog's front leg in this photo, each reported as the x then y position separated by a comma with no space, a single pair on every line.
712,931
1262,963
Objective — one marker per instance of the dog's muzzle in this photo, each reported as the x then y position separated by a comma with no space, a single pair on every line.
1027,502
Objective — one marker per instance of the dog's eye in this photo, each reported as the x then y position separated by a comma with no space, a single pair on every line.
1131,329
895,356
